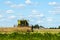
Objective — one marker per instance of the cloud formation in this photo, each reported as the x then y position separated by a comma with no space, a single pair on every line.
49,19
56,7
11,17
28,2
17,6
9,11
8,2
1,16
52,3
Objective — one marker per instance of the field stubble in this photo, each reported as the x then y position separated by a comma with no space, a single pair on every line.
47,30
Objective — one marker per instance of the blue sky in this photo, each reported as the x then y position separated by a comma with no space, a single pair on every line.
42,12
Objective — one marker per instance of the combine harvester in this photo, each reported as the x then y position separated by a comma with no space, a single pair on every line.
23,26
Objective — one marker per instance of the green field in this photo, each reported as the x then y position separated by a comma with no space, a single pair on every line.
38,34
29,36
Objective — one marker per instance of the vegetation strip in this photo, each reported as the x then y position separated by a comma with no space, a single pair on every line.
30,36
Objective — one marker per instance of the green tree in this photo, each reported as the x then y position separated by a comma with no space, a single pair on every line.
41,26
59,27
36,26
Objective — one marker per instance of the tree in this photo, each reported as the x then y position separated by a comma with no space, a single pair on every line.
41,26
36,26
59,27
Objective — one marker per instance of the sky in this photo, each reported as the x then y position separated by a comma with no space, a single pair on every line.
43,12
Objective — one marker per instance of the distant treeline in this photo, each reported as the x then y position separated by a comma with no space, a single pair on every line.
55,27
37,26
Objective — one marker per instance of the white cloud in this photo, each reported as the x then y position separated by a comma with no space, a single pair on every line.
58,7
28,2
39,21
52,12
52,3
40,15
21,6
55,12
9,11
49,19
21,17
30,16
11,17
13,6
8,2
36,14
34,11
1,16
37,3
17,5
31,20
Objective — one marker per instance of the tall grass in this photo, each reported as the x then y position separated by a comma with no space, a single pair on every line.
30,36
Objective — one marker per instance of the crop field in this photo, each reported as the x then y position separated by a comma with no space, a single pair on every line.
38,34
53,31
15,29
30,36
25,29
